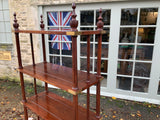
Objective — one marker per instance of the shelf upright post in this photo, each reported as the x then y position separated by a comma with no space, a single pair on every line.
44,49
33,61
16,25
100,28
74,25
88,75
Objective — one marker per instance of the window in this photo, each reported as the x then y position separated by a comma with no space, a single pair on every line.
60,46
88,20
136,43
5,29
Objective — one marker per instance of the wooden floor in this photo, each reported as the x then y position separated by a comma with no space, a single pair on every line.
59,76
53,107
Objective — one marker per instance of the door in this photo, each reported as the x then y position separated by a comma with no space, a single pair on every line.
130,48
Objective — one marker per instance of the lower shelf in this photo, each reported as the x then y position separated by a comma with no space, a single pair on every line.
50,106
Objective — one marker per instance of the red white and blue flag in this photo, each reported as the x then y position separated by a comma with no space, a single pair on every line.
62,21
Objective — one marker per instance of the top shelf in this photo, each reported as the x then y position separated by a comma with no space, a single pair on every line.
60,76
72,33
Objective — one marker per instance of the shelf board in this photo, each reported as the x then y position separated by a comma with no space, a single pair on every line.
53,107
60,76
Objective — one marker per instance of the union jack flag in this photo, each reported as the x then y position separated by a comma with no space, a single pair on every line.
61,19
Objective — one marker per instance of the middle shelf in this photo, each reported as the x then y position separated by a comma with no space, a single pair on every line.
60,76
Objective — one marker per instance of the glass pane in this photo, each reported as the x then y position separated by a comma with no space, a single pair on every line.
124,67
1,16
67,48
104,66
5,4
158,92
8,26
67,61
52,49
52,18
142,69
106,14
148,16
84,49
84,64
140,85
127,35
55,60
2,28
129,16
123,83
87,17
1,5
104,81
6,15
104,51
105,37
84,37
65,18
144,52
146,35
126,51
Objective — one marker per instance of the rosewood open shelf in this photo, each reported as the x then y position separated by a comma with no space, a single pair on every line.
48,105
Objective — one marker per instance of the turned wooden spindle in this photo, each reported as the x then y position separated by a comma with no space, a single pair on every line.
44,49
74,25
99,27
74,22
16,26
100,22
42,24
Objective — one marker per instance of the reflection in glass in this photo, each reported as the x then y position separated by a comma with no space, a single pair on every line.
87,17
129,16
142,69
148,16
104,81
144,52
67,61
54,60
84,37
104,66
123,83
105,37
146,35
84,64
53,50
124,67
52,18
158,92
67,51
104,52
84,49
127,35
140,85
126,51
106,16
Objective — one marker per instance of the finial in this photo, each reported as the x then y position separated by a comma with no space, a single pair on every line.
100,22
73,22
15,24
42,25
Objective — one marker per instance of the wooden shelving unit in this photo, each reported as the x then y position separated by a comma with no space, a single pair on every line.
48,105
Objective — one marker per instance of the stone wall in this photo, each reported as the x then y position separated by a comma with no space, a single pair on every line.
27,19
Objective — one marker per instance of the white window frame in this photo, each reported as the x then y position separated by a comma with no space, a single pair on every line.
111,89
5,32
